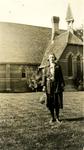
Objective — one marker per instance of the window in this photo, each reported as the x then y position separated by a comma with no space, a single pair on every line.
23,73
78,66
70,65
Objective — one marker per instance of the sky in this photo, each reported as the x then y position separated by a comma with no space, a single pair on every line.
39,12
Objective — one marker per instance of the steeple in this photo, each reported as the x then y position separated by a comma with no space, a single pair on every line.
69,19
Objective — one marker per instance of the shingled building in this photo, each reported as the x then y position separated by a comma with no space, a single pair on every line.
23,48
68,49
21,52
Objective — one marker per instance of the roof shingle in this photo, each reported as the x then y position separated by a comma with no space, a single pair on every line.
59,45
23,43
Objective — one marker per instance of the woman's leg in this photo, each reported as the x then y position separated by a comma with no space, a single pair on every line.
52,114
50,106
61,100
56,106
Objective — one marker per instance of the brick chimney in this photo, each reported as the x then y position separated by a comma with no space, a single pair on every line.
55,26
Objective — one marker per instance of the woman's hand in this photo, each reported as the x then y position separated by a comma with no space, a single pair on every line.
43,89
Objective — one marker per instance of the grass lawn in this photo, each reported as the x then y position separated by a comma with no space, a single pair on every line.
24,123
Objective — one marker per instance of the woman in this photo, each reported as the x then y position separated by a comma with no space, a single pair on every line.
53,84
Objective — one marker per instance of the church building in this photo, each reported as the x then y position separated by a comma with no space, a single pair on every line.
21,51
25,48
68,49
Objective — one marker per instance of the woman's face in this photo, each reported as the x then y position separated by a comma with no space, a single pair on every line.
51,58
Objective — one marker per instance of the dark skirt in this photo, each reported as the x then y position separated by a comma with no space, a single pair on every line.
55,100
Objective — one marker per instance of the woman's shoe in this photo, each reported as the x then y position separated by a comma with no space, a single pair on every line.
58,121
52,121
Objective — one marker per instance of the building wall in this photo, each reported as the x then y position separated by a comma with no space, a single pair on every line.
75,51
2,77
15,77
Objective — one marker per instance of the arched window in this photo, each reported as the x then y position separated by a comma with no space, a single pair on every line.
23,73
70,65
78,66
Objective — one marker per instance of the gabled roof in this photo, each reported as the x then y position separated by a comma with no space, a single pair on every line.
73,39
59,45
21,43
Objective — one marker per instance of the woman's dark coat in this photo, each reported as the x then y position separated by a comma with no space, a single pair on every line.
57,86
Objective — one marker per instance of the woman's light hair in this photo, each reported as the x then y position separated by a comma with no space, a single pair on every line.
52,54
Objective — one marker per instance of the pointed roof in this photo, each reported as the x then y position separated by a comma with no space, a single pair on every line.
59,45
73,39
69,16
20,43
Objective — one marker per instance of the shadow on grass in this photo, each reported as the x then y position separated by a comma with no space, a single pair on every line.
74,119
